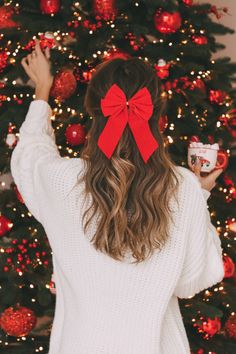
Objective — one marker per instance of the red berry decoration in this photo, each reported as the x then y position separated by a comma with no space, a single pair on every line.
166,22
200,40
5,225
163,123
18,322
49,7
105,9
5,17
198,84
229,267
211,326
218,96
230,327
64,85
75,134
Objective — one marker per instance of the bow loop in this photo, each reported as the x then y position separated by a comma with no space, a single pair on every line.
136,112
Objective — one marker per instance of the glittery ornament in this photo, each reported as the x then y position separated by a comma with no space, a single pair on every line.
18,321
166,22
230,326
49,7
64,85
105,9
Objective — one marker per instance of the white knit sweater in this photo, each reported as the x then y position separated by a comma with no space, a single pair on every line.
104,306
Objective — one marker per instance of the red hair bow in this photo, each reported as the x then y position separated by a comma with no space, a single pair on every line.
136,112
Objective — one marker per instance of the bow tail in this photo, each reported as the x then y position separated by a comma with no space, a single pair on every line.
112,132
143,136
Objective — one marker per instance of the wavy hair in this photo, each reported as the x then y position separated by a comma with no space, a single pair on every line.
130,196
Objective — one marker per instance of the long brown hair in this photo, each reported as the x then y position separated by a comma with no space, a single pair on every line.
132,197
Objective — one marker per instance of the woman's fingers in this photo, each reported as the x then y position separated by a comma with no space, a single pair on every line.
47,52
197,168
37,47
25,65
28,70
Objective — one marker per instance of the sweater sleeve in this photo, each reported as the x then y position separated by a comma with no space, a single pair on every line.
203,264
35,161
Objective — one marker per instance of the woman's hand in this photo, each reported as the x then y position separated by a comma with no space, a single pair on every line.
207,182
37,65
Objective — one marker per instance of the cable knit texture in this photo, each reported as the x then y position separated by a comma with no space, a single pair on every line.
104,306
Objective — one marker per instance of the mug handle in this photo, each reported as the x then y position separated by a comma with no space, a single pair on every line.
223,157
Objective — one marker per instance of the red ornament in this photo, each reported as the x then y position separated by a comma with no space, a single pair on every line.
163,123
200,40
75,134
230,326
105,9
166,22
218,96
162,69
5,225
211,326
229,267
49,7
188,2
64,85
18,322
5,17
116,53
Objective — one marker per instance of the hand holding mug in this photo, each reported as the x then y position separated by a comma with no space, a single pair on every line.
208,181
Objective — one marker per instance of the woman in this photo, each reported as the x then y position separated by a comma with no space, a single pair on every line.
152,238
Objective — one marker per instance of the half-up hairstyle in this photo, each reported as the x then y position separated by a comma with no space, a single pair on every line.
130,196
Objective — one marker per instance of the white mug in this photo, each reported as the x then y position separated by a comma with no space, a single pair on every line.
209,155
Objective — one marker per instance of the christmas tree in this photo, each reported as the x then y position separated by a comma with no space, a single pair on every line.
178,38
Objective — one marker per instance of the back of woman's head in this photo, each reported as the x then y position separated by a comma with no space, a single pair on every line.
131,197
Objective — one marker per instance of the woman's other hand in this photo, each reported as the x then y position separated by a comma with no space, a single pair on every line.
38,67
208,181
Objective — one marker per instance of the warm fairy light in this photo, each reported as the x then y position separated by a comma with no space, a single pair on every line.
170,139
